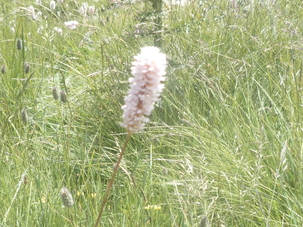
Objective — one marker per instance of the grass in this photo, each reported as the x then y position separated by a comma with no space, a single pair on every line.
224,141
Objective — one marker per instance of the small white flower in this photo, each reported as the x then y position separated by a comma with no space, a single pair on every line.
177,2
31,9
71,24
31,12
60,1
91,9
58,30
85,5
83,9
52,5
40,29
38,2
12,26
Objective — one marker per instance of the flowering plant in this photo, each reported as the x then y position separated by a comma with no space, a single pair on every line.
71,24
148,72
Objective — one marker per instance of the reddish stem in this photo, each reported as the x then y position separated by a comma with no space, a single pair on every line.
111,181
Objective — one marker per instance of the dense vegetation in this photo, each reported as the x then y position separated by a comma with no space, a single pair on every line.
224,143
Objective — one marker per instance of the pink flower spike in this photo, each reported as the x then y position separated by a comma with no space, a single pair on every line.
71,24
148,70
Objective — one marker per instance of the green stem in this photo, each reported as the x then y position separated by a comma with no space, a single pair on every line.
157,5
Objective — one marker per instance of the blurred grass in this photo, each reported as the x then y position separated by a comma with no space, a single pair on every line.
224,141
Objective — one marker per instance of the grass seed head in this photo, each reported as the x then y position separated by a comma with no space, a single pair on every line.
67,198
3,69
204,222
26,67
55,93
19,44
63,96
24,115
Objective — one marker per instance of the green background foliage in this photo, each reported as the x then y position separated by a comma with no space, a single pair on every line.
224,142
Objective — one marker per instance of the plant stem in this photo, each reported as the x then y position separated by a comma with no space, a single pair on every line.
111,181
157,5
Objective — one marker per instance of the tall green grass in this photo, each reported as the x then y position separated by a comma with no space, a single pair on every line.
224,142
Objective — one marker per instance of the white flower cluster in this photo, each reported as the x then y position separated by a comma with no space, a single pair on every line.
58,30
177,2
148,70
71,24
52,5
31,12
86,9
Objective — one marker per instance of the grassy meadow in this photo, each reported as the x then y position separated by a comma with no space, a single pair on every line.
224,146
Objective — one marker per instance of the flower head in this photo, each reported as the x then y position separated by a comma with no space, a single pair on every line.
55,93
26,67
31,13
91,9
67,198
63,96
19,44
24,115
52,5
71,24
58,30
148,70
3,70
83,8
